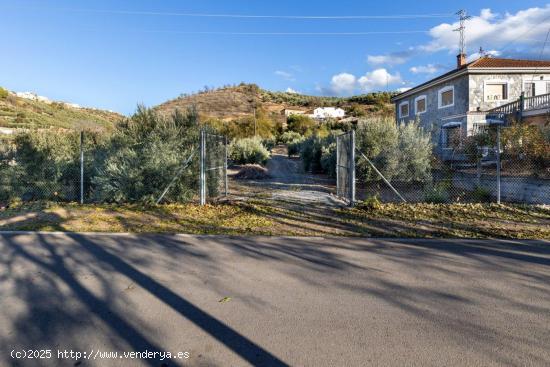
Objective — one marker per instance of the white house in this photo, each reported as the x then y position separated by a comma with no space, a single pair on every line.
328,112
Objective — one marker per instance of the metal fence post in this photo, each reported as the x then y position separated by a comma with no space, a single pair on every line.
352,169
225,169
498,164
202,168
338,166
82,167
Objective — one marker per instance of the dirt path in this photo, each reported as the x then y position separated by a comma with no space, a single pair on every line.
289,183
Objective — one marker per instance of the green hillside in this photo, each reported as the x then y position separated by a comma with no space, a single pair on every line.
17,112
234,102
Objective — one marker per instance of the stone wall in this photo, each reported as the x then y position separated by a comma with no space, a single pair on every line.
515,87
527,190
434,117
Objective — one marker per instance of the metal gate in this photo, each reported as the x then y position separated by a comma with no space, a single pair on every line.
213,166
345,166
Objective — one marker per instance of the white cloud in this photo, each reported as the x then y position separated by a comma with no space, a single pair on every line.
390,59
285,75
343,83
378,78
346,83
524,28
402,89
425,69
290,90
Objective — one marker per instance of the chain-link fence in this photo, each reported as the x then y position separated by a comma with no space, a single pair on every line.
345,166
40,167
213,157
492,165
159,165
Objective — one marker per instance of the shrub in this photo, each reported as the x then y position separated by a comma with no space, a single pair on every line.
248,151
143,156
269,144
437,194
481,195
378,139
528,143
290,136
301,124
414,153
3,93
399,152
370,203
294,147
328,159
311,151
41,165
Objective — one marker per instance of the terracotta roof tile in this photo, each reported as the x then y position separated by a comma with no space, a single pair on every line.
490,62
483,62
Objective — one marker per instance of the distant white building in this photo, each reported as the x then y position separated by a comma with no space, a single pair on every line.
328,112
289,112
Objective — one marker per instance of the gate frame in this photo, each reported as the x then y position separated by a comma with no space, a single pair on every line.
203,168
350,167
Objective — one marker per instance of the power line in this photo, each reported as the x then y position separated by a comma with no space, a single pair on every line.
541,54
251,16
542,22
280,33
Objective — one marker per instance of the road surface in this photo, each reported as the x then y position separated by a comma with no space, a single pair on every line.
274,301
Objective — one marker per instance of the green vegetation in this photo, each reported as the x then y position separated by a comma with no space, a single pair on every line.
301,124
400,152
230,109
528,145
290,136
16,112
132,164
263,125
295,99
248,151
3,93
143,155
318,152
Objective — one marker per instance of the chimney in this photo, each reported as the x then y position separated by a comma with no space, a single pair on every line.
460,60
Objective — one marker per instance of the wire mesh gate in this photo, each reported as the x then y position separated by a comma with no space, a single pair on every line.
345,166
213,166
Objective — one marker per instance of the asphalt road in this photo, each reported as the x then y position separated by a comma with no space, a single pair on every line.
290,301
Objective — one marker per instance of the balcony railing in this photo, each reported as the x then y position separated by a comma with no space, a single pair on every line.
507,108
521,105
536,102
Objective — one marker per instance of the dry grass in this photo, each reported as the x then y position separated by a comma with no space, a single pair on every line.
269,217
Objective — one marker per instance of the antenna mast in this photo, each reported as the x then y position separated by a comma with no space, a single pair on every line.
462,18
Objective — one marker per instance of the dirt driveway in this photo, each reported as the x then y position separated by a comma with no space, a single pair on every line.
289,184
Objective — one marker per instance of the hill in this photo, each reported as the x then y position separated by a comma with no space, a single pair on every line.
27,111
234,102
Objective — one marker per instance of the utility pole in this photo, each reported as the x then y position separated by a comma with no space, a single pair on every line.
462,17
255,127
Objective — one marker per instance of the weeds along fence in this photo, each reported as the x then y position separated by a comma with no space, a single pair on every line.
159,161
493,165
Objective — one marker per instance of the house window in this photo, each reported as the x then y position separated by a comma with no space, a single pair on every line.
420,105
404,109
446,97
496,92
529,89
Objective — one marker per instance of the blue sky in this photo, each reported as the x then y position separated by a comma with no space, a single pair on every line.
114,55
